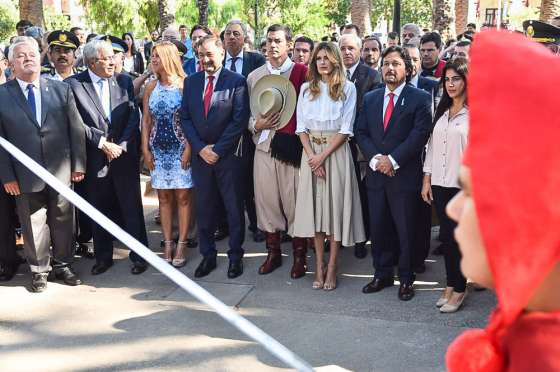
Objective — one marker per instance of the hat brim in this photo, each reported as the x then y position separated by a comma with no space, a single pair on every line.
63,44
284,85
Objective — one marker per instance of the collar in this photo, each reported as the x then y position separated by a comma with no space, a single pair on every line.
415,80
353,68
23,84
397,92
288,63
216,75
95,78
462,111
229,57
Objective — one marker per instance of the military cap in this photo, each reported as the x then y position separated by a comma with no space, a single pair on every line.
64,39
542,32
181,47
118,44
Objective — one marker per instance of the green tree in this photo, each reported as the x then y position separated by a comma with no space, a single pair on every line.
337,10
55,21
114,16
412,11
148,11
218,14
8,19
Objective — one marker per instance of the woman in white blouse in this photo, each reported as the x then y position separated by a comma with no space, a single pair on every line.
328,202
441,173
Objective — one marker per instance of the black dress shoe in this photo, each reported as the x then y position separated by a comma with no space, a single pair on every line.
221,233
68,276
377,284
39,282
192,243
360,250
406,292
100,267
259,236
235,269
84,250
138,268
207,265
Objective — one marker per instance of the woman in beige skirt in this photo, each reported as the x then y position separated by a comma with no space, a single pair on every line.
328,202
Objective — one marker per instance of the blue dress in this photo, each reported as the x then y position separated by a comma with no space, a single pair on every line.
167,140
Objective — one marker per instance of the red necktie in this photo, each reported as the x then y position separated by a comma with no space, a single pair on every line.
389,110
208,94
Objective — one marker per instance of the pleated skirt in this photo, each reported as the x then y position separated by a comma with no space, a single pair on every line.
332,204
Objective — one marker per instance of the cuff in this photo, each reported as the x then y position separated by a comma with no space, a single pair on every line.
395,164
373,162
102,141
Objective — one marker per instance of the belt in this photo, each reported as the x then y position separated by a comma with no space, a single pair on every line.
319,140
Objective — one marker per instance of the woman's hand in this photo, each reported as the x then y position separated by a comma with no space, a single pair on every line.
186,158
320,172
315,161
426,192
149,160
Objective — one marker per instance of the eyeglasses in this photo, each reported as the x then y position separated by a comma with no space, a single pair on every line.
107,59
410,35
236,34
453,79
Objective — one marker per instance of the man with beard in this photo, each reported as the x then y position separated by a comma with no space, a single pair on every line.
154,35
409,31
371,51
392,130
62,49
303,48
277,158
192,65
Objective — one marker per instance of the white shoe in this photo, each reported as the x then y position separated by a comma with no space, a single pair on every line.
444,296
452,308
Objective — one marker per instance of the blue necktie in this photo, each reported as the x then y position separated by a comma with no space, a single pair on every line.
232,67
31,100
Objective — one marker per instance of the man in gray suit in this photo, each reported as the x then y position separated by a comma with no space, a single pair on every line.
40,117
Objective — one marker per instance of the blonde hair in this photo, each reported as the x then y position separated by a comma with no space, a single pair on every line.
338,75
171,62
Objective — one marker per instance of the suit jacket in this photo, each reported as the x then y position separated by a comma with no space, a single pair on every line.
365,79
124,126
251,61
227,116
428,85
189,66
406,135
58,143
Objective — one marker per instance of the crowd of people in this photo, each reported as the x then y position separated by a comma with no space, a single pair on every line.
323,144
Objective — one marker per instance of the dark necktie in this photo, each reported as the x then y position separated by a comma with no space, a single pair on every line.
389,110
232,67
208,95
348,75
31,100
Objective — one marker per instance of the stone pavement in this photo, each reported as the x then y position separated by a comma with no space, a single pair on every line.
120,322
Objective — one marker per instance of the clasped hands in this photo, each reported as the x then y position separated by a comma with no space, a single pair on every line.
111,150
208,155
384,165
315,162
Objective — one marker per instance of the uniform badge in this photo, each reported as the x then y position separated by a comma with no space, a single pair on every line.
62,37
530,31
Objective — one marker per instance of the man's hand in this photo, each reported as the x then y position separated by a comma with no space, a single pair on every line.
112,150
77,176
385,166
267,121
12,188
186,158
208,155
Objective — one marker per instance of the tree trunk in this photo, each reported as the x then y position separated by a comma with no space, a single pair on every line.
443,18
202,12
360,12
549,10
461,15
166,13
32,10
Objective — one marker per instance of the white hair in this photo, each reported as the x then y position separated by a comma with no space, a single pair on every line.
412,26
19,41
353,37
170,33
91,49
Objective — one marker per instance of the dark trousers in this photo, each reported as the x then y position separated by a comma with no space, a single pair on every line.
46,219
222,180
8,253
83,225
451,253
423,232
118,190
361,186
388,206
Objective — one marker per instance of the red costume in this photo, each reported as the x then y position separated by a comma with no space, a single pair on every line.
514,159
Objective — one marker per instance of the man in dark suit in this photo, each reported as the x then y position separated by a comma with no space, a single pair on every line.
365,79
392,130
192,65
214,114
154,35
106,104
38,115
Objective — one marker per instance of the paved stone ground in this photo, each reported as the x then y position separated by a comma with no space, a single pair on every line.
120,322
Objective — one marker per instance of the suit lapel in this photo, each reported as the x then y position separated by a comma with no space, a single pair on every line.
116,93
90,89
45,99
378,115
198,96
246,61
217,87
16,92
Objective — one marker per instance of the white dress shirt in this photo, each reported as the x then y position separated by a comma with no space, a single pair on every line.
216,77
324,114
104,97
397,92
414,81
238,61
37,92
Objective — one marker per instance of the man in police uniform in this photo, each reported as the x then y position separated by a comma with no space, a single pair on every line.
543,33
61,53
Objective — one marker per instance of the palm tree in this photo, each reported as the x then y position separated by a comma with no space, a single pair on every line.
549,10
32,10
202,12
443,17
166,10
360,11
461,15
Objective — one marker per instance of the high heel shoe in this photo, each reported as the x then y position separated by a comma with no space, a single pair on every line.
452,308
168,250
447,292
180,262
319,284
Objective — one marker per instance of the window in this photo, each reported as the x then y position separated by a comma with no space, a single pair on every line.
491,15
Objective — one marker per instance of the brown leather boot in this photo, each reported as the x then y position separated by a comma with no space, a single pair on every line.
300,259
274,258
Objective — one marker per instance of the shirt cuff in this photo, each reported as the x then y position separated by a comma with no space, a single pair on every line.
102,141
395,164
373,162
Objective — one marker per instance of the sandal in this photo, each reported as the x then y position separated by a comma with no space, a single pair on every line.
168,249
330,286
180,262
320,284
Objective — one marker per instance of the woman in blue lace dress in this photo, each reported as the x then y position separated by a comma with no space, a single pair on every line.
167,153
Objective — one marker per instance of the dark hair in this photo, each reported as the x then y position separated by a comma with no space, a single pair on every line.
431,36
404,55
305,39
278,27
374,38
350,26
74,29
24,23
392,35
473,25
325,38
132,47
90,37
213,38
463,43
461,67
263,43
200,27
467,35
222,35
182,26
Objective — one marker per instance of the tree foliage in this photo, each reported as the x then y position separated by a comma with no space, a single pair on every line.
8,19
412,11
218,14
55,21
113,16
